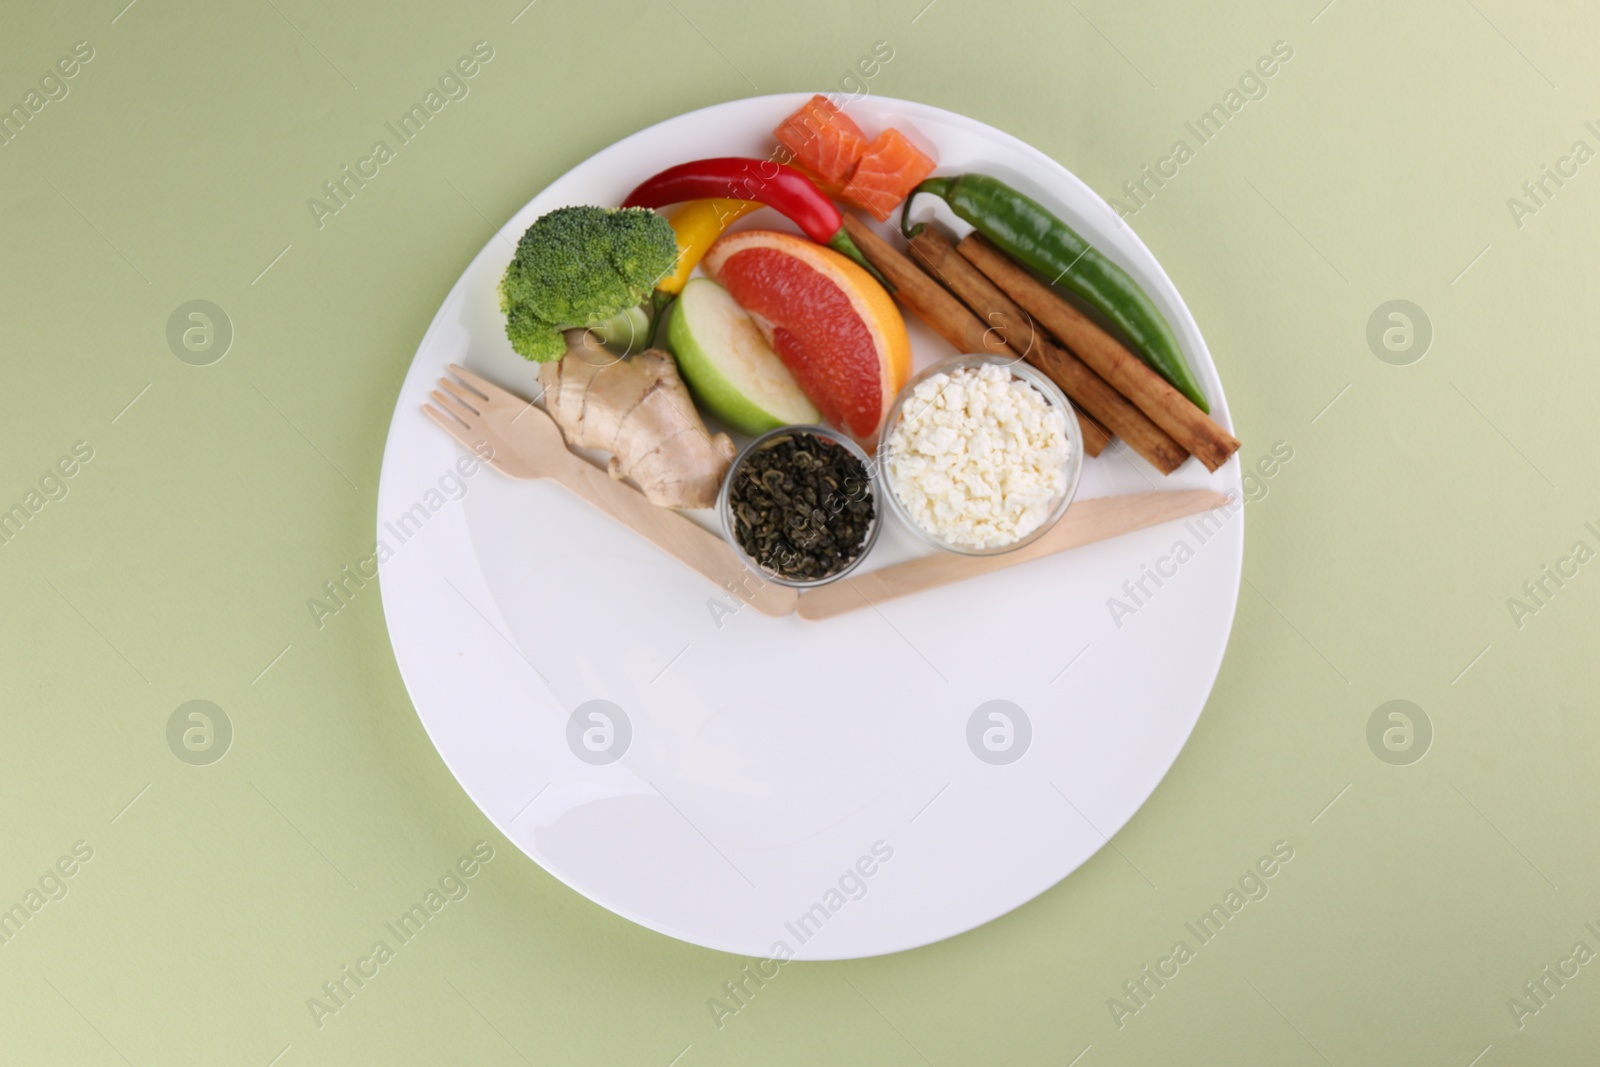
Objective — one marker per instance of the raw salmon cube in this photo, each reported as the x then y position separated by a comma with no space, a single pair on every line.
888,171
823,138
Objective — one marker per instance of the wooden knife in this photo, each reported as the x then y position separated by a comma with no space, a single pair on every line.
1086,521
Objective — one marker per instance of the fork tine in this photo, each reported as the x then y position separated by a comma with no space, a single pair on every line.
469,400
485,445
448,423
449,403
486,389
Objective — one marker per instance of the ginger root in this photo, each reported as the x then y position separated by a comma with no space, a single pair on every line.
639,410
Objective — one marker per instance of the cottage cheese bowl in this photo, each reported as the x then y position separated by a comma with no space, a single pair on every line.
980,455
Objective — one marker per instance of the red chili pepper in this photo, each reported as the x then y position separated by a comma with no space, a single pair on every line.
780,187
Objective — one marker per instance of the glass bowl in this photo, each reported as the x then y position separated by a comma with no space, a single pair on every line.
1072,465
725,503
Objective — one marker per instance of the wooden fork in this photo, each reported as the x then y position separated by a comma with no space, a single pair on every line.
524,442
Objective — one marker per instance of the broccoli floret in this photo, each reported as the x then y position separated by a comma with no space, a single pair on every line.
579,267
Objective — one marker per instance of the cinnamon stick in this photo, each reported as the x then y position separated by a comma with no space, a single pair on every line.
1124,371
1095,434
1083,386
947,316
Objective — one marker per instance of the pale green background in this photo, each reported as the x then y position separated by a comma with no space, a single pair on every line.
1378,566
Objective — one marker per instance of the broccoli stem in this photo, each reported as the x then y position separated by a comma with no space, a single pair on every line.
627,331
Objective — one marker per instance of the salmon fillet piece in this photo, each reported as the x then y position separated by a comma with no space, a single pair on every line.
823,139
886,173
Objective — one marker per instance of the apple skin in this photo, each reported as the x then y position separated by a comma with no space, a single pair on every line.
701,364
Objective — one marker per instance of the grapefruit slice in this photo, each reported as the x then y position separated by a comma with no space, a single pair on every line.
831,323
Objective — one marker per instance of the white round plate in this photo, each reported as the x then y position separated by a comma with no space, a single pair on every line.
789,788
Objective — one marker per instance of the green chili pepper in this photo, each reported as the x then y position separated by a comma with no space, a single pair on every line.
1025,231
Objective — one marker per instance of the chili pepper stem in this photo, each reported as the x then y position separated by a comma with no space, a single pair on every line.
841,243
939,187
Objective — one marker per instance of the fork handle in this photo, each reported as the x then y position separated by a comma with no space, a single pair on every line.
691,543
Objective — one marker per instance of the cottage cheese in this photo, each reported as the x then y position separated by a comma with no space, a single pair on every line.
977,456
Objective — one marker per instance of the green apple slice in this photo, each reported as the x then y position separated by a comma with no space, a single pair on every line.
729,366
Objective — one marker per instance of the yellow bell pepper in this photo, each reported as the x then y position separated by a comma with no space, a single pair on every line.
697,224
